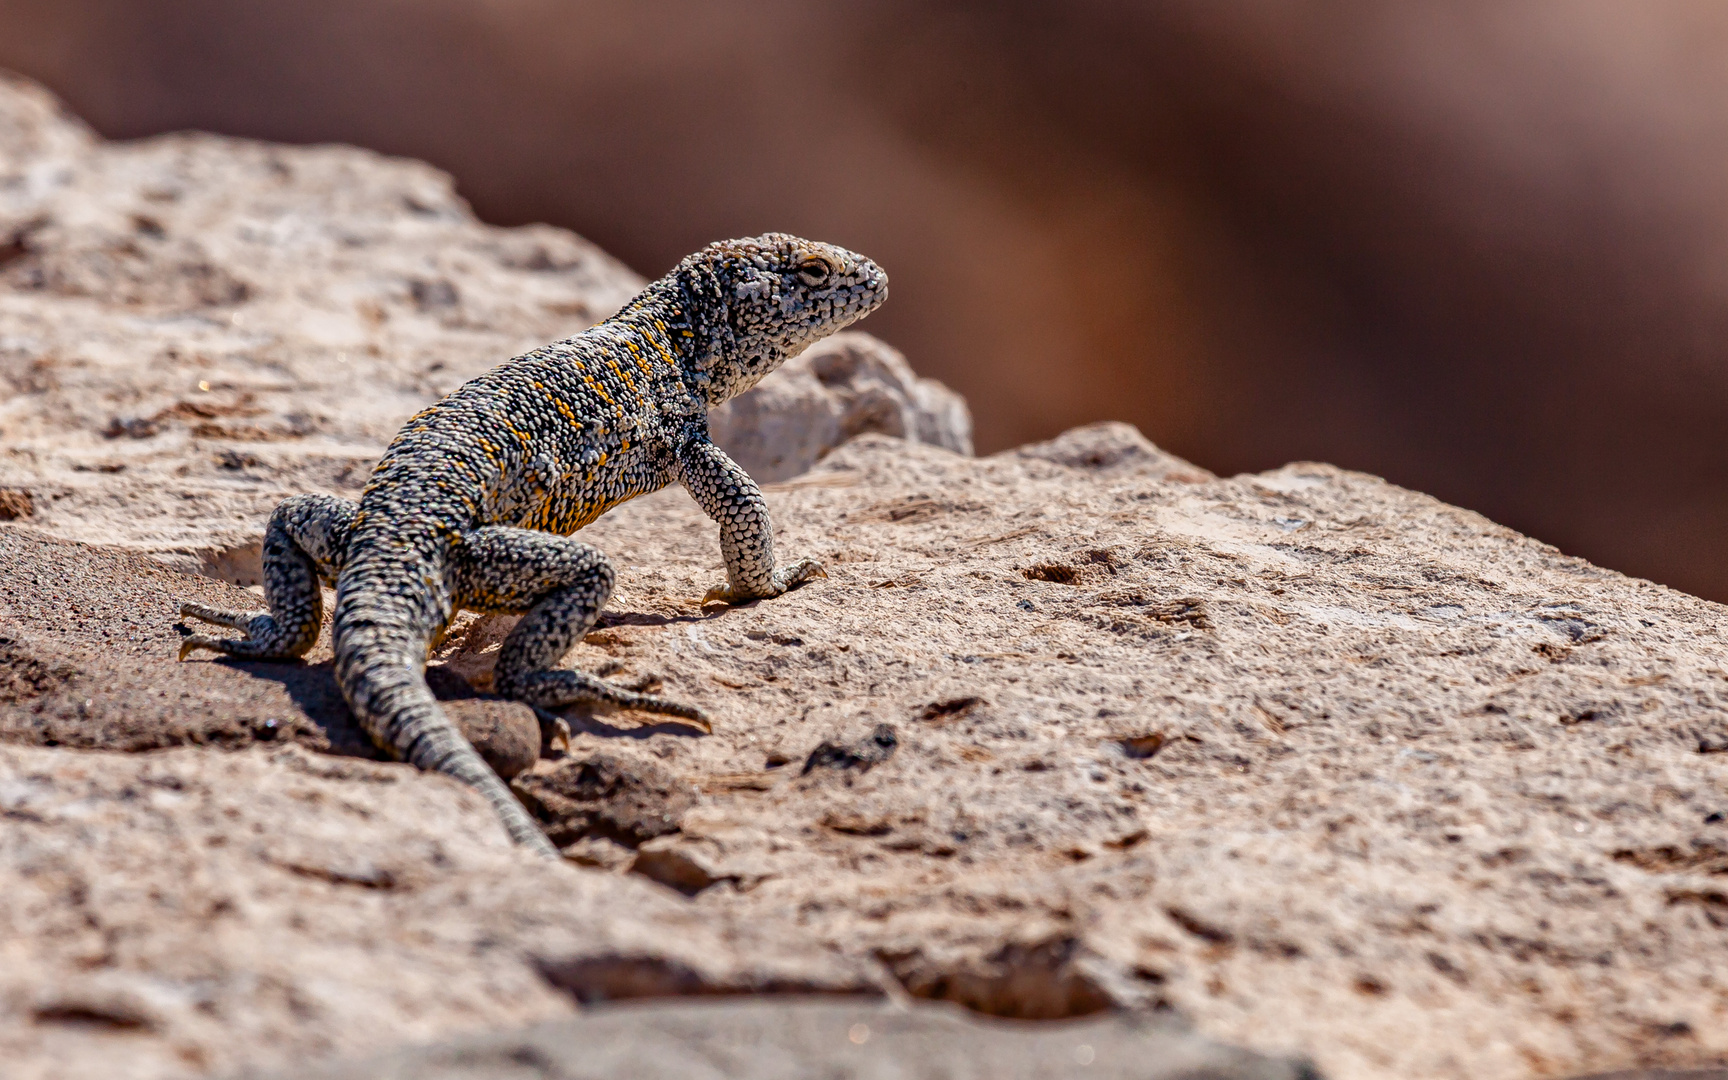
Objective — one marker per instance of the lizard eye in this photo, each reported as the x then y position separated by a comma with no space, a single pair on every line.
815,272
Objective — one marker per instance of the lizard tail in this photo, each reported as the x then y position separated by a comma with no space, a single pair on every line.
380,666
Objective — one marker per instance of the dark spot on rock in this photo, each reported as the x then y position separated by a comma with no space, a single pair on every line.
13,248
594,980
1143,746
949,711
1678,1029
24,676
1188,610
108,1011
362,875
1052,572
1700,857
858,824
132,427
865,755
1368,986
1035,981
1200,928
148,227
433,295
1446,967
15,504
1711,736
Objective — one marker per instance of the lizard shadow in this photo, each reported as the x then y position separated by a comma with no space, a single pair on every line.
313,690
585,722
609,619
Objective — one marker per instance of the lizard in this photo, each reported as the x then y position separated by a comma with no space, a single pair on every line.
474,501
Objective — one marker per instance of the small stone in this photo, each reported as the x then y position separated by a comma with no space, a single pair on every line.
506,733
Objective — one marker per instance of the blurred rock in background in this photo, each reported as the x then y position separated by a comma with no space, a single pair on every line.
1476,248
848,385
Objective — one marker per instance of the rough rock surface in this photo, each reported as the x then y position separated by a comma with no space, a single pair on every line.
1329,767
191,910
193,327
87,659
795,1040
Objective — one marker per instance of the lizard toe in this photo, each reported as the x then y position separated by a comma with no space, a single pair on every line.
200,641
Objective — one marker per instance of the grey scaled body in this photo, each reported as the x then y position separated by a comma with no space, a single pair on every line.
473,504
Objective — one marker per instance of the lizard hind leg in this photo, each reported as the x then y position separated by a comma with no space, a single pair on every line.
304,543
558,585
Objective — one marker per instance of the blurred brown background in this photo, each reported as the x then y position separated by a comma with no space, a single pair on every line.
1480,248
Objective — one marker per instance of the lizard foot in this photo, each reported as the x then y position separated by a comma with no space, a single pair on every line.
786,578
555,733
262,640
548,690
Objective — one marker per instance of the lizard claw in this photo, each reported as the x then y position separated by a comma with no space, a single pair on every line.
555,734
719,594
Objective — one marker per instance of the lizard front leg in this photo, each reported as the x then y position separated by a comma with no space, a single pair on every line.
558,585
305,542
728,495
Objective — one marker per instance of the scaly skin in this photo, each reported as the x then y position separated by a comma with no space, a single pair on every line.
474,501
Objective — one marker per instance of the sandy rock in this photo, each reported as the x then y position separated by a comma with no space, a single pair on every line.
842,387
625,798
194,327
1329,767
794,1040
188,911
87,659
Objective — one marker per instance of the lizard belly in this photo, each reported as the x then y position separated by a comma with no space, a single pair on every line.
583,493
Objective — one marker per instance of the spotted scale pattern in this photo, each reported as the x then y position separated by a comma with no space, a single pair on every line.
473,504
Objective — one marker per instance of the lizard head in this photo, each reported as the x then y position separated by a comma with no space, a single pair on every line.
755,303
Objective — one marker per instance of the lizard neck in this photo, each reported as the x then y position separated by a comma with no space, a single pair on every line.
659,316
665,321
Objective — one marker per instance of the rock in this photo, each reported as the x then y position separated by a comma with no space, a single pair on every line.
507,733
792,1040
188,912
1663,1074
842,387
619,796
87,659
1326,766
1113,448
15,505
194,327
